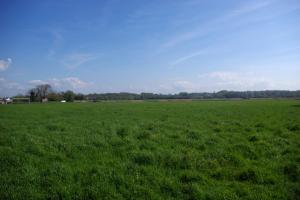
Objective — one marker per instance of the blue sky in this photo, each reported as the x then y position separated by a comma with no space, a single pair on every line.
162,46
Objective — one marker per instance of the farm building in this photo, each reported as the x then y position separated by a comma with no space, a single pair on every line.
44,100
6,100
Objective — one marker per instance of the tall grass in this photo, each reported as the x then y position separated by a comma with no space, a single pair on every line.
151,150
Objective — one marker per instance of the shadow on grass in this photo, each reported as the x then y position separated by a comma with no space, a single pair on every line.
296,106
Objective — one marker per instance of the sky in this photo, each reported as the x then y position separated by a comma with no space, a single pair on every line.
160,46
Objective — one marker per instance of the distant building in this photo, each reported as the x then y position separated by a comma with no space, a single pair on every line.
6,100
44,100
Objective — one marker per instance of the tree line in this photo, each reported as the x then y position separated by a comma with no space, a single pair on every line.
224,94
45,91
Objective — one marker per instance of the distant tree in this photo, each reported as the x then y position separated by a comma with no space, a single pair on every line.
79,97
19,96
69,96
39,92
183,95
43,91
147,95
53,96
33,94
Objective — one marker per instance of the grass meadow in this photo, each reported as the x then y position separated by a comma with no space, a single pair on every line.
248,149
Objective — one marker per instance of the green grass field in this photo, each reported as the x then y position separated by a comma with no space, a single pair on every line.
151,150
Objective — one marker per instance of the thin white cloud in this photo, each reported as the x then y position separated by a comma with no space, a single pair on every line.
183,86
68,83
245,9
228,80
187,57
72,82
37,82
56,43
4,64
76,60
7,84
8,87
186,36
175,86
220,80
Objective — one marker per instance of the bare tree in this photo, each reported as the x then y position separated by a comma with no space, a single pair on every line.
43,90
33,94
40,92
